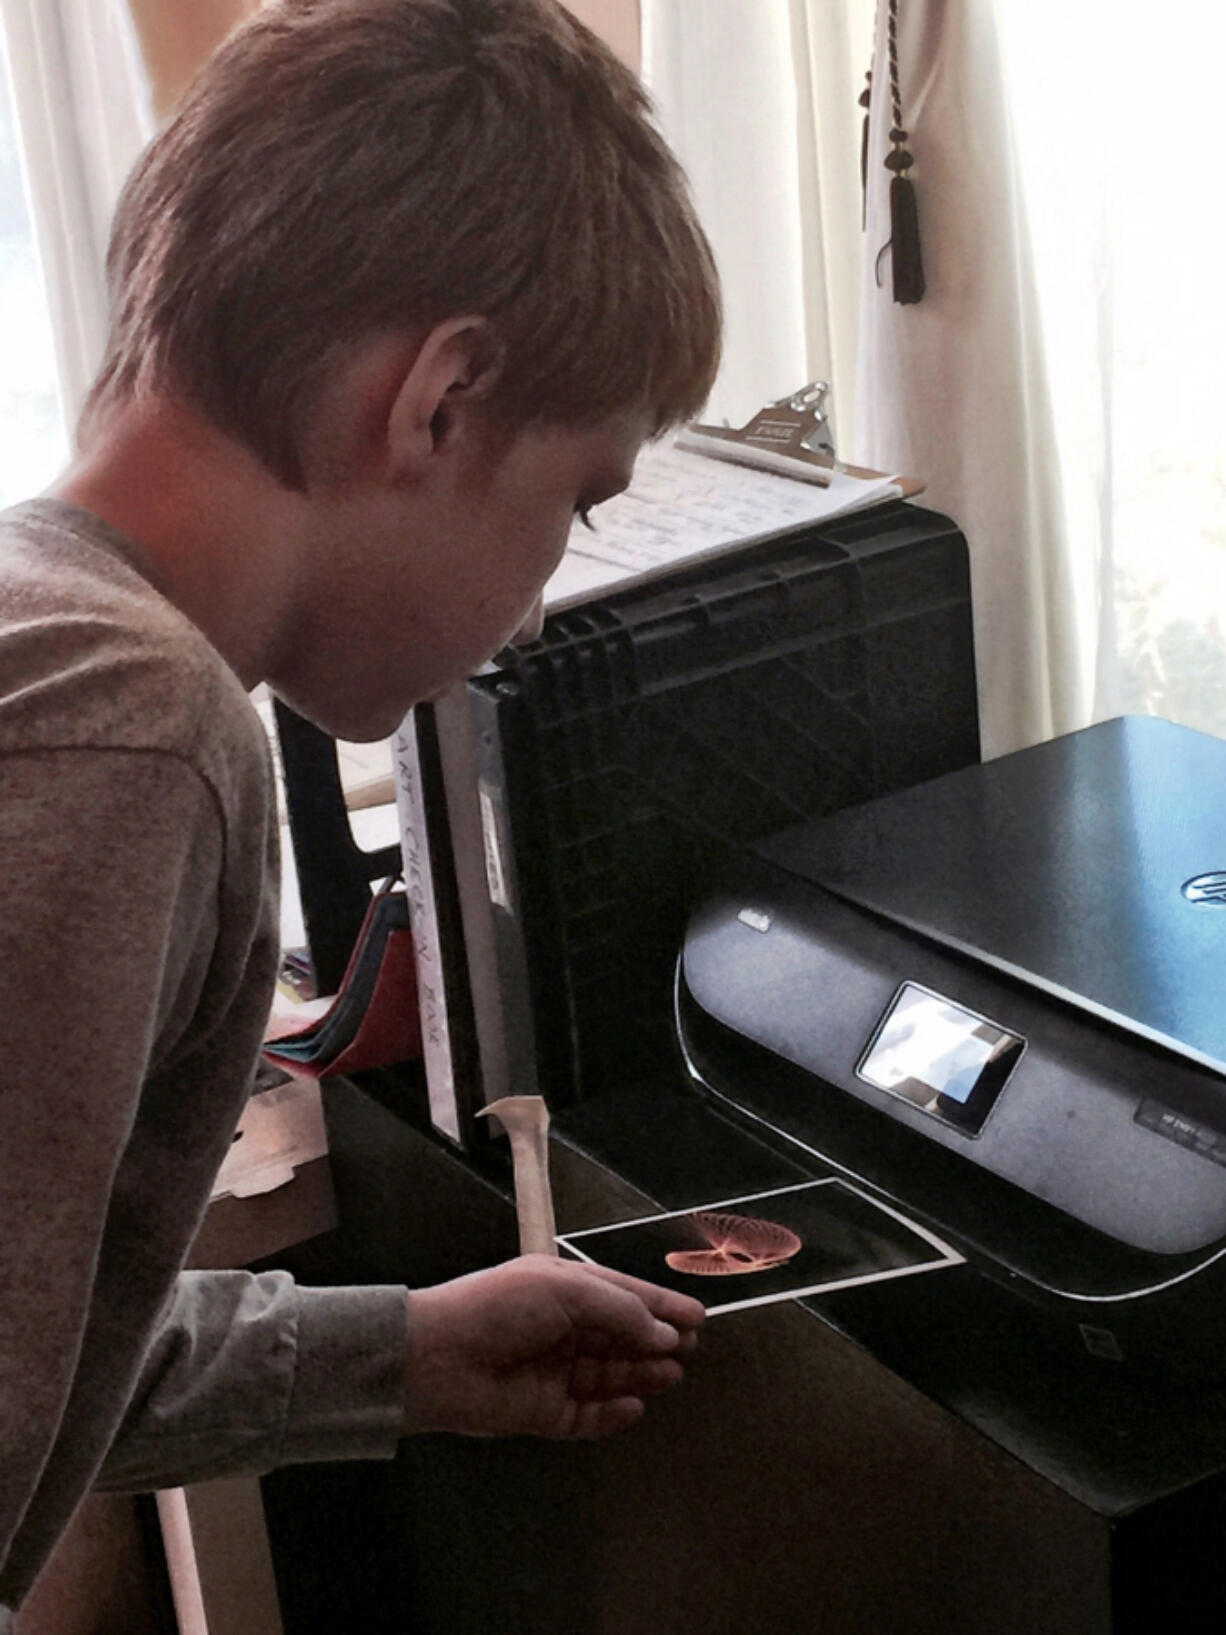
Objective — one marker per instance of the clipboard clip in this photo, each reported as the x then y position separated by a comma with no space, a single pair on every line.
791,435
810,406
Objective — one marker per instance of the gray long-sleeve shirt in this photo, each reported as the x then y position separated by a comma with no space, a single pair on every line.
138,946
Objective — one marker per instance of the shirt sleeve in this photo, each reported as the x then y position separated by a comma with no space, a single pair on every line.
250,1372
111,1359
94,851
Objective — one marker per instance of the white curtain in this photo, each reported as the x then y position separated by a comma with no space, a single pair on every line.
1060,387
953,389
1118,130
758,98
832,49
81,102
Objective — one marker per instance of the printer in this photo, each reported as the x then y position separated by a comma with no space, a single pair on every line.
997,1000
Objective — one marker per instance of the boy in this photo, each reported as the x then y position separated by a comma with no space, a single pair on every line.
403,286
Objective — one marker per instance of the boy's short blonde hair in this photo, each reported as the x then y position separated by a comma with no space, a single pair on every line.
346,167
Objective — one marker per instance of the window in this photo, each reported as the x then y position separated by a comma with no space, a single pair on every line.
33,437
1117,119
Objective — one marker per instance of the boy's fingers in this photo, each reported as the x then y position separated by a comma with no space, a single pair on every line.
599,1343
594,1419
666,1304
593,1380
619,1308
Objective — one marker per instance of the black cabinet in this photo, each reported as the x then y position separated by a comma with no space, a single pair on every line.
914,1456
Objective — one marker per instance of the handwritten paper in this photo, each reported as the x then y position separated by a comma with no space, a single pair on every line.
682,506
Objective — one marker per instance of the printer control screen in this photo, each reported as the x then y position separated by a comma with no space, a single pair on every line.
940,1057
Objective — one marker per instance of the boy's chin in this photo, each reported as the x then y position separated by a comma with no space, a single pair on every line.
352,725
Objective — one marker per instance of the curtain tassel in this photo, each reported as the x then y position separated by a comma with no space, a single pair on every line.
906,257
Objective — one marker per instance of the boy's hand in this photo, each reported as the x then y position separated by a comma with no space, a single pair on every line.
542,1347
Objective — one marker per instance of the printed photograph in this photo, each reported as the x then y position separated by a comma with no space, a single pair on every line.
805,1239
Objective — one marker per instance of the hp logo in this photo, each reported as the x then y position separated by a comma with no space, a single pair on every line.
1207,888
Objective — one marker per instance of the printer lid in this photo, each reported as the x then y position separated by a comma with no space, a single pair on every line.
1092,867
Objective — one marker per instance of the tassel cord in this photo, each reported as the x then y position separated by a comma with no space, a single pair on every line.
904,241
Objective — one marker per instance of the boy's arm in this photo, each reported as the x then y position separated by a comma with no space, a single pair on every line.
252,1372
109,864
249,1372
244,1372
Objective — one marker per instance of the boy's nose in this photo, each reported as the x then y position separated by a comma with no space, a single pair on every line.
532,625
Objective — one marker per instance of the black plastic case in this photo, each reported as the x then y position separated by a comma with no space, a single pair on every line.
623,755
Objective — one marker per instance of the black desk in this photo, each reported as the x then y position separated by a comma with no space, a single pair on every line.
915,1456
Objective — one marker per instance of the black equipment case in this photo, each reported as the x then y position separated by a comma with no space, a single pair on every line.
623,758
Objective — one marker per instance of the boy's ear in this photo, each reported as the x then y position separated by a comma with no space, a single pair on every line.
455,367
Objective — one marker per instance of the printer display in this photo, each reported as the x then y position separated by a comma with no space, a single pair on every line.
998,999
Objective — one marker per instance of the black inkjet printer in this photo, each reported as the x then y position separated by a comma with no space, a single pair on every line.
998,1000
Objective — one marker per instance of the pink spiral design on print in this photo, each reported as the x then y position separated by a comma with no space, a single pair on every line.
738,1244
